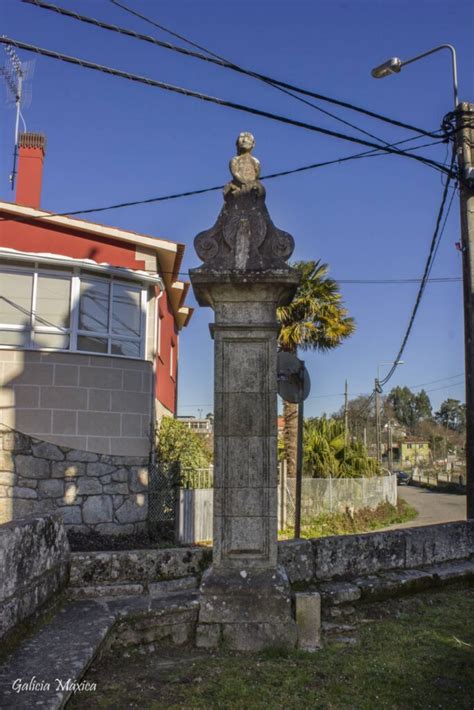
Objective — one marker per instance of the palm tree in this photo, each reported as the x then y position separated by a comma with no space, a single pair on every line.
315,320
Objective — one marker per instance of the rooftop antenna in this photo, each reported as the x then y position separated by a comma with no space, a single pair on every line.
17,75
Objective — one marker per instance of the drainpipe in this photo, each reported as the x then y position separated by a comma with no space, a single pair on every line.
154,375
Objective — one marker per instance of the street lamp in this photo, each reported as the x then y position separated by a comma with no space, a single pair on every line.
464,114
378,390
394,66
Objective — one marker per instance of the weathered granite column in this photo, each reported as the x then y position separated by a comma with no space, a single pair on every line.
245,597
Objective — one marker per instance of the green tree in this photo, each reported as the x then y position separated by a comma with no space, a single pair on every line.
176,443
409,408
325,453
452,415
315,320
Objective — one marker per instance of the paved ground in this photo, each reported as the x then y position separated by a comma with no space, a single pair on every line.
433,507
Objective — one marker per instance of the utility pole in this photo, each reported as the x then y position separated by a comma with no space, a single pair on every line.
465,153
346,416
378,447
390,446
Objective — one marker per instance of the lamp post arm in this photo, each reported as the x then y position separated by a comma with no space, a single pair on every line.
454,65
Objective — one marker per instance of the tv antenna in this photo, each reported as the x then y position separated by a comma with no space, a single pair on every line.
17,77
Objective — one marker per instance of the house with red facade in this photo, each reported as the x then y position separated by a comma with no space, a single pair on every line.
90,317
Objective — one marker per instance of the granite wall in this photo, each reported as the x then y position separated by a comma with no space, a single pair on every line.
34,563
93,492
345,557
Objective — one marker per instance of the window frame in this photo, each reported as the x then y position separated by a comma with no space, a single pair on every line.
76,276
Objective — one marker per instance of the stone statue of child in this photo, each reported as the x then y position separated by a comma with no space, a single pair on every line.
245,169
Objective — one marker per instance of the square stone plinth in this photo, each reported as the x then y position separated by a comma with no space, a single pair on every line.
251,607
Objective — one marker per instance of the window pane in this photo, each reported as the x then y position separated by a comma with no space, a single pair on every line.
15,298
52,301
126,348
126,311
91,344
94,306
51,340
21,338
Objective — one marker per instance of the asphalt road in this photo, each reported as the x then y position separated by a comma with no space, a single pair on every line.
432,507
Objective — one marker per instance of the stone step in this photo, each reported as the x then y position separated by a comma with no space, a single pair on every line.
154,589
161,589
55,658
147,620
453,571
391,584
97,591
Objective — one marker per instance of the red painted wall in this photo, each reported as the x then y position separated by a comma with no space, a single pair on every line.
166,386
28,236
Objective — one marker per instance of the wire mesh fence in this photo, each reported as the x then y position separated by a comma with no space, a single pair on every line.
333,495
163,494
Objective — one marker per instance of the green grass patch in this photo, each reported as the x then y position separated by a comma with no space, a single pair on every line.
360,521
415,653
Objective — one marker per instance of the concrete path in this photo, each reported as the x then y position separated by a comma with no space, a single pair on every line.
433,507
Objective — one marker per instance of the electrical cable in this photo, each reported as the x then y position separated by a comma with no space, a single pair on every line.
436,236
189,193
453,192
212,99
271,80
222,61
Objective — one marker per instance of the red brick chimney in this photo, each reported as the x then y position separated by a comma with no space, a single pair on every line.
31,150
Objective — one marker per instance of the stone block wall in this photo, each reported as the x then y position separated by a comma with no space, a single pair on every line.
345,557
93,403
34,564
93,492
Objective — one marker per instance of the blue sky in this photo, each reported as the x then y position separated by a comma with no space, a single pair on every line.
110,140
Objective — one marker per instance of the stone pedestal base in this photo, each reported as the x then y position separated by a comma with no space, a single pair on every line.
246,610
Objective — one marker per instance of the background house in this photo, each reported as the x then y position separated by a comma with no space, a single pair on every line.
90,317
413,451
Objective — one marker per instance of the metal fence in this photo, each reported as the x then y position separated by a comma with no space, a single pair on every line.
163,489
319,495
197,478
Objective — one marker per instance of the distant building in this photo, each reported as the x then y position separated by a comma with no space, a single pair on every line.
203,427
413,450
90,317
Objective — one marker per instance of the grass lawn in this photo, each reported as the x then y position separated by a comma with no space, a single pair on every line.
412,653
361,521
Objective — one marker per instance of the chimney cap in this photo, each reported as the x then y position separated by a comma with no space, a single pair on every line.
32,140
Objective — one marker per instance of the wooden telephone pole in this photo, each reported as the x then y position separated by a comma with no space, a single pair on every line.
465,152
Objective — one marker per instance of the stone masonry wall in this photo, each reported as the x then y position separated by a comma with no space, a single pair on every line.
34,565
93,492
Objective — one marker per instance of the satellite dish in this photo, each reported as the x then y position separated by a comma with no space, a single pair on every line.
294,384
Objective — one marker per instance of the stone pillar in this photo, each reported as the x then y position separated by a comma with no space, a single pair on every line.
245,597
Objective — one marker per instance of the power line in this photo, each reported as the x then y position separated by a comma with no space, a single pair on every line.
438,232
433,382
454,384
221,60
190,193
212,99
216,59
